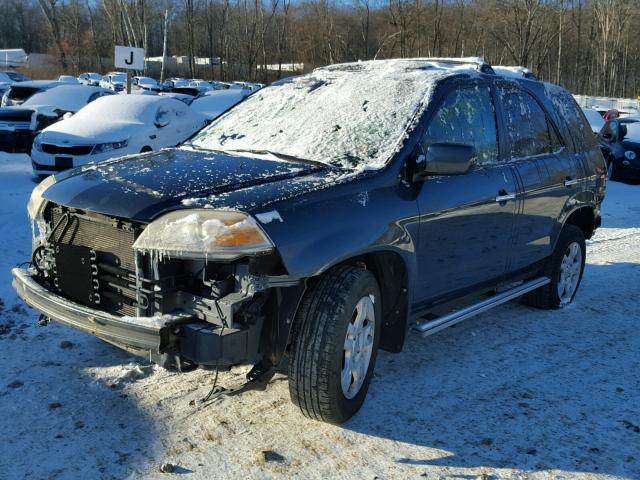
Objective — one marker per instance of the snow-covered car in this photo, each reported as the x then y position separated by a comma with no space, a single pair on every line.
201,85
147,83
216,102
20,124
247,86
68,79
20,92
596,122
514,72
116,81
8,78
174,82
183,97
90,78
112,127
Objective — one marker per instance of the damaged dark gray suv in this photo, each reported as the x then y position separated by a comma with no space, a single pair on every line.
321,219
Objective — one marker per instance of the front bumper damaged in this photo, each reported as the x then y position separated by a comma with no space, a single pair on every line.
161,338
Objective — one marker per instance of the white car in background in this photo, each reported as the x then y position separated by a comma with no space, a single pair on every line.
116,81
112,127
147,83
90,78
594,118
70,79
216,102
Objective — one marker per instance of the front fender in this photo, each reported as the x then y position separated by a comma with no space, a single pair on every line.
327,227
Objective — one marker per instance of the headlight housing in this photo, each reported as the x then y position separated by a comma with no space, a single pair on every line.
36,201
630,154
107,147
208,234
37,143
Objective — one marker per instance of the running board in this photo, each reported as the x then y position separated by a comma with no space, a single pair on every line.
432,326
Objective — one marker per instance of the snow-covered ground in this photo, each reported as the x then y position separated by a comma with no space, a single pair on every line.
512,394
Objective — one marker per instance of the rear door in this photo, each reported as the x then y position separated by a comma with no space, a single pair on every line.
546,171
466,221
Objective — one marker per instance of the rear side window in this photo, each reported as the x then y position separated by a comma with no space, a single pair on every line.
528,128
467,116
572,116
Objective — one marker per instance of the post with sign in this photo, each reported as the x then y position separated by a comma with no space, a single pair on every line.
129,58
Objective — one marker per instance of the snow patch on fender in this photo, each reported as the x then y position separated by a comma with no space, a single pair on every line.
268,217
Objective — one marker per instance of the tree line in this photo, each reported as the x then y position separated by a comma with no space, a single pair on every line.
589,46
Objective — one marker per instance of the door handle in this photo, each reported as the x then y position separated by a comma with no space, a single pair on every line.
504,196
570,181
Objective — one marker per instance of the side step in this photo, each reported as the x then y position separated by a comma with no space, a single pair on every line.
432,326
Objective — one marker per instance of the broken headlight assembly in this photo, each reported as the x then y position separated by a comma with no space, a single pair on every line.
208,234
37,201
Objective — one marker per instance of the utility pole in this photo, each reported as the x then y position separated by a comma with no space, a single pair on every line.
164,44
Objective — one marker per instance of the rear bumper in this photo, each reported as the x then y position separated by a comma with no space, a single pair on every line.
178,335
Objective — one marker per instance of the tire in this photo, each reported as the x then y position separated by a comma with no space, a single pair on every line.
327,313
570,247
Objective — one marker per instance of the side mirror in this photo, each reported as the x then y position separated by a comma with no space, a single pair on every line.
445,159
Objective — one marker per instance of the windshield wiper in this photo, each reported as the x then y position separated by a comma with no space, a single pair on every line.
284,156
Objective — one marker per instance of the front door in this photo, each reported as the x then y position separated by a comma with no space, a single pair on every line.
466,221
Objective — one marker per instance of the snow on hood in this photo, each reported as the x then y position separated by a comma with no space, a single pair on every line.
69,98
79,133
352,116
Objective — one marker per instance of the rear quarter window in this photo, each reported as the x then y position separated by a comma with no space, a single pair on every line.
570,114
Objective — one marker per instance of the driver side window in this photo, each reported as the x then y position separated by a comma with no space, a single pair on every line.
467,116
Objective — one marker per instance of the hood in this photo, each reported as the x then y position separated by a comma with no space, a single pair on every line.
73,131
141,187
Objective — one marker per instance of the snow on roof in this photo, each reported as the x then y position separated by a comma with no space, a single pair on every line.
513,72
70,98
352,115
218,101
109,116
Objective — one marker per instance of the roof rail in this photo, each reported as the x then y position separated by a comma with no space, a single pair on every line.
480,63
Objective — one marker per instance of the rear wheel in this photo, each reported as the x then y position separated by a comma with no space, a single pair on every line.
335,344
564,268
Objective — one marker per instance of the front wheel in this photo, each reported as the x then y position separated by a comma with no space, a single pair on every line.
564,269
335,343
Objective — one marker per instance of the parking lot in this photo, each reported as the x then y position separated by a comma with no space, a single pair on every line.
514,393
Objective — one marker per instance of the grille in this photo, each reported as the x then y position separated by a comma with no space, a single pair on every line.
72,150
114,258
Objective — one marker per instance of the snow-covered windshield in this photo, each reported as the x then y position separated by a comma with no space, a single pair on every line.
348,116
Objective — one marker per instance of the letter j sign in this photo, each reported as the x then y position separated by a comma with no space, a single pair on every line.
129,58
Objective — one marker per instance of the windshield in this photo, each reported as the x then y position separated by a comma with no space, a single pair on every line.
347,116
633,131
118,78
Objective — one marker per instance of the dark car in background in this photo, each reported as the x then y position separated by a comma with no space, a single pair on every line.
620,144
20,92
8,78
320,219
19,125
